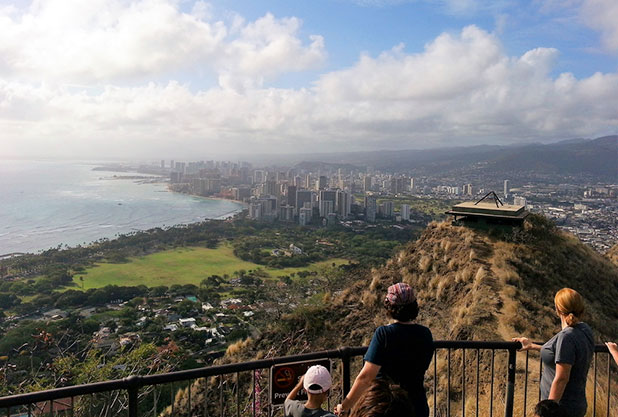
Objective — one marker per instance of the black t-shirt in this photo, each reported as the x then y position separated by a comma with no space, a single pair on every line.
404,352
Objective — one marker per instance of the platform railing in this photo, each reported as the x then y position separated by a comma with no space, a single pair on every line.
488,369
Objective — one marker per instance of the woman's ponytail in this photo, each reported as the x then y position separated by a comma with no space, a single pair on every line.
569,304
571,320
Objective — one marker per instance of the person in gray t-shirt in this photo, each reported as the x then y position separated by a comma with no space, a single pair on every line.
316,382
566,357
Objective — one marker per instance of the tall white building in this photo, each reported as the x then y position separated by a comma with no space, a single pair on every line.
405,212
520,201
507,189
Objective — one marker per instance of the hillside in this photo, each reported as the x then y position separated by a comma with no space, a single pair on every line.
612,254
471,285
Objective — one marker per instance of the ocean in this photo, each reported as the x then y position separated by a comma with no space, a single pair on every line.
44,204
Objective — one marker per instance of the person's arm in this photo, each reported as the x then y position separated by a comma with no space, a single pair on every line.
526,344
563,373
292,395
361,383
613,349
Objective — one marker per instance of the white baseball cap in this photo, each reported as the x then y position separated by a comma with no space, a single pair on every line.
317,380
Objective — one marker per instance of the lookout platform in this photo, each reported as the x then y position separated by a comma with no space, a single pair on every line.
489,209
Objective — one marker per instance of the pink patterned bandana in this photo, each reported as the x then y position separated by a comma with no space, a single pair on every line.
400,293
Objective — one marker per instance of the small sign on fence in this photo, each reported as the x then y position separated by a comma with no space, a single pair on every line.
285,376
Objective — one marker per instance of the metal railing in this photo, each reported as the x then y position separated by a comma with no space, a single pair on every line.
447,386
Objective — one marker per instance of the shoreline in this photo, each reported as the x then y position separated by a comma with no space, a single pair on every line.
28,241
225,216
242,203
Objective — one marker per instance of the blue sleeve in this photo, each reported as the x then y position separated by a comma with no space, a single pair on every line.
565,349
375,352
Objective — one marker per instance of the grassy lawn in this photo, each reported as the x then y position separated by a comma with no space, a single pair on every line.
178,266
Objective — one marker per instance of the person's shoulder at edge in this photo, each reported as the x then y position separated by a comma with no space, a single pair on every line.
571,330
289,406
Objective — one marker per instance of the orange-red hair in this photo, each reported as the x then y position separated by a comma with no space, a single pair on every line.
570,304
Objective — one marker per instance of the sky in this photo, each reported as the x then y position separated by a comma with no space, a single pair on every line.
195,79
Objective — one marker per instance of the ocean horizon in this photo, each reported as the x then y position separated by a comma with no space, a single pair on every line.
44,204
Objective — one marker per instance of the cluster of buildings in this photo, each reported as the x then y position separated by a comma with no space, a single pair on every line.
588,212
293,195
324,195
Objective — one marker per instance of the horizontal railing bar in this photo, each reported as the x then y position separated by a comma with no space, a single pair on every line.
148,380
248,366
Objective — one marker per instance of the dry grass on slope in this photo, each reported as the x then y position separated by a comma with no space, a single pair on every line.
612,254
470,284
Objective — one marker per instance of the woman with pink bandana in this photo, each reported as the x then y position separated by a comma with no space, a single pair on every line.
401,351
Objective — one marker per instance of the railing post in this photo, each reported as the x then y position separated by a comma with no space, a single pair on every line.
133,386
345,359
510,386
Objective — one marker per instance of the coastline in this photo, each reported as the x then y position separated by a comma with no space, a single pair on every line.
54,204
242,203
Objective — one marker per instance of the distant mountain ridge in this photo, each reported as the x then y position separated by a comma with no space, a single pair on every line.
595,157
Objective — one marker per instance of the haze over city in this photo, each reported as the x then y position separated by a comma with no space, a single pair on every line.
154,78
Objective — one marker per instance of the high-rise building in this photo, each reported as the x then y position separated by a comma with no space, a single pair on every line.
305,215
371,208
411,184
291,195
507,189
367,183
520,201
175,177
286,213
322,183
308,181
180,167
387,209
327,200
304,196
162,163
259,176
298,182
344,204
405,212
241,193
271,188
396,185
243,173
340,179
255,211
326,207
468,190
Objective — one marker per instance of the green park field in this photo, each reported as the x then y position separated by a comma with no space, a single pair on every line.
179,266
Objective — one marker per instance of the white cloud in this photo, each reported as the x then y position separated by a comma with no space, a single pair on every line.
602,15
114,40
461,89
266,48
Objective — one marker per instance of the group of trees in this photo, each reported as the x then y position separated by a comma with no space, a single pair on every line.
54,353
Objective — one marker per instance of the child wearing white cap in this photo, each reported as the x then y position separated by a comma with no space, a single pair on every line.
316,382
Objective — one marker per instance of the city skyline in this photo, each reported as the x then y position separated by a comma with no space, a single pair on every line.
148,78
